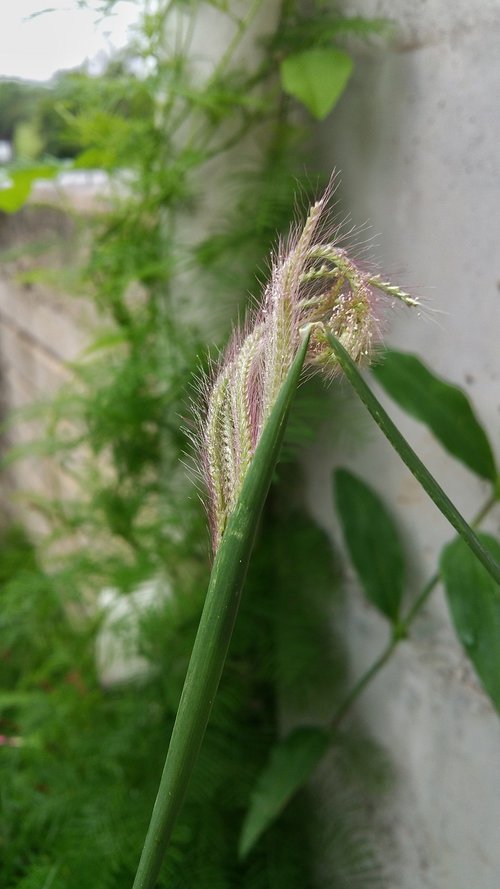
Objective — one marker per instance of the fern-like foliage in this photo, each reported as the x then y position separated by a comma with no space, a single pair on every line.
80,759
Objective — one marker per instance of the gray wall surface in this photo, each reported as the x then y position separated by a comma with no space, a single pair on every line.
416,138
41,329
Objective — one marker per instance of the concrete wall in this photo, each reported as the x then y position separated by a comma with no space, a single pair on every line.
41,329
416,139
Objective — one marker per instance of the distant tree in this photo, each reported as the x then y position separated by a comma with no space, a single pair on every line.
54,110
18,104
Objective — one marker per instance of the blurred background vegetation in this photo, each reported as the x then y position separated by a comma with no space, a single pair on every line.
99,613
39,119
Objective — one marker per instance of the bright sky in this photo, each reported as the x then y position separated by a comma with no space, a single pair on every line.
62,37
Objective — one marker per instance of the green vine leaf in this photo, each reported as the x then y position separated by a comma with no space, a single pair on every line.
373,542
474,602
443,407
16,190
291,763
317,78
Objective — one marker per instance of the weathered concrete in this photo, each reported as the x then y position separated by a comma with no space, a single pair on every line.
41,329
416,138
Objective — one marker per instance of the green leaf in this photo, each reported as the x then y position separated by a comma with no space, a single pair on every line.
474,601
290,765
444,408
373,542
14,195
107,341
10,699
317,78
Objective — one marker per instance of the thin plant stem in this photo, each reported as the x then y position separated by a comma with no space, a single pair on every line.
214,632
358,689
400,632
434,580
409,457
242,26
404,625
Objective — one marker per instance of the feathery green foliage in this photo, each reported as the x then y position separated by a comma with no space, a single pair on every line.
83,756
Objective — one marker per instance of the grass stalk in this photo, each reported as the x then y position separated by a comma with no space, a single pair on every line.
409,457
214,633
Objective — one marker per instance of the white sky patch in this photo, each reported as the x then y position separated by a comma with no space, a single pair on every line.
62,37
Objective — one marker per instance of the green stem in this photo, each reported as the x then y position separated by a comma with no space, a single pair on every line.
242,26
400,632
214,633
434,580
404,625
361,684
408,455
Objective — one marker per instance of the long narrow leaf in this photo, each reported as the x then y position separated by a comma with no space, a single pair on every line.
291,763
408,455
214,633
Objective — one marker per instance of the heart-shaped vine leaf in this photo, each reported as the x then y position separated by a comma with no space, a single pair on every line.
15,188
317,78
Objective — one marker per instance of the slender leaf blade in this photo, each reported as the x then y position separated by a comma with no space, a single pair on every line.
474,602
373,541
409,457
215,630
291,763
317,78
443,407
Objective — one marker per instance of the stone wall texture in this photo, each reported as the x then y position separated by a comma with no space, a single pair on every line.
416,140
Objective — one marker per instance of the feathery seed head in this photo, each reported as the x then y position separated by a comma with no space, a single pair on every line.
314,283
